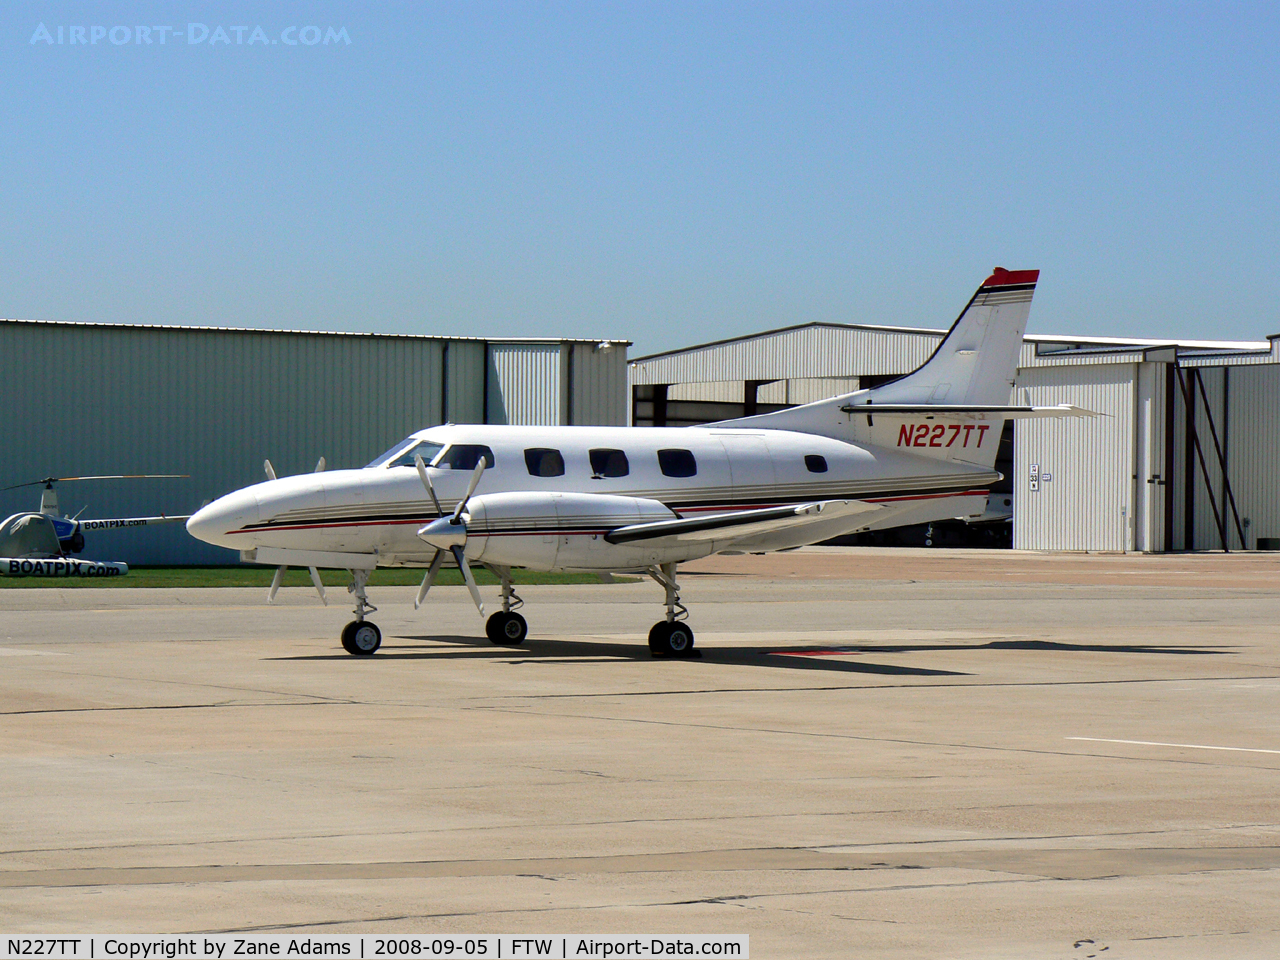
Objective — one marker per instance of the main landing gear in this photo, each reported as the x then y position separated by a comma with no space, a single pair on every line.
670,637
507,628
361,637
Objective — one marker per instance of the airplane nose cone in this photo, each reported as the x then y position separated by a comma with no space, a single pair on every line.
217,522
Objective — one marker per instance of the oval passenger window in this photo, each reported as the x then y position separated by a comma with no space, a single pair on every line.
677,463
544,462
609,463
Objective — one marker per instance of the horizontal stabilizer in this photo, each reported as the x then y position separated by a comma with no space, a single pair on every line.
968,411
741,523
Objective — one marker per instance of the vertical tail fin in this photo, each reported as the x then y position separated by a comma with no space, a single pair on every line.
976,361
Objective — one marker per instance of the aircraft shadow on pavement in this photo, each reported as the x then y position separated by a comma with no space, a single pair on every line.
550,651
1035,645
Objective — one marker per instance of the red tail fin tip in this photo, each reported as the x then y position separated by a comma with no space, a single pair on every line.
1000,277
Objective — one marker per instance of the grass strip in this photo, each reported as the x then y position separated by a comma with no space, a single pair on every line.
255,576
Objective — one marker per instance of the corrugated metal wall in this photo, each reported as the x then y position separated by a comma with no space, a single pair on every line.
94,399
598,392
212,404
465,382
1088,503
721,391
524,383
810,390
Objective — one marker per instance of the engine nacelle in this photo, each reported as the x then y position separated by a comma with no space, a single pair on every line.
565,531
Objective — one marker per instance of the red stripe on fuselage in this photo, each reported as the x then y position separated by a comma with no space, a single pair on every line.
339,525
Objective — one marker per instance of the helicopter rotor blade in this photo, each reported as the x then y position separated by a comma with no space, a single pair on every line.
50,481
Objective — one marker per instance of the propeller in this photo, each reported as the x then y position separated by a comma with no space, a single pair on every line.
275,583
448,533
315,574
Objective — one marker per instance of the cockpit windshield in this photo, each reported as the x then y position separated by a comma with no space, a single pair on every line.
425,449
410,446
381,458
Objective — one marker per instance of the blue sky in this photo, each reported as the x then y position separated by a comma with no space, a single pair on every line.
665,173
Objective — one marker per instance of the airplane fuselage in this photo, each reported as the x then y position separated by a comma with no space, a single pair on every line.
573,484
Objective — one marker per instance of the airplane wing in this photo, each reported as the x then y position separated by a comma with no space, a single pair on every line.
740,523
969,411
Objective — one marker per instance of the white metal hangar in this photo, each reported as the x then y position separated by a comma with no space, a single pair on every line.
1187,458
97,398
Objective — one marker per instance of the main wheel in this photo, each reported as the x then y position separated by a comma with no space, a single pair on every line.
347,631
671,639
506,629
361,638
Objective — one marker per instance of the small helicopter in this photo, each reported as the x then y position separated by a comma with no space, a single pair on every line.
42,543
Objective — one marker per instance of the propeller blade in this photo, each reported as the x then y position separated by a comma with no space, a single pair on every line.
271,471
460,555
275,584
429,579
320,465
426,482
471,488
315,578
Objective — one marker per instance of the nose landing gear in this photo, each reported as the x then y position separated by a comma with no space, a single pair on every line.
507,627
361,637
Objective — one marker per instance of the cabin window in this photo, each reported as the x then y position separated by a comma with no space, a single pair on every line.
815,463
426,449
544,462
609,463
464,456
677,463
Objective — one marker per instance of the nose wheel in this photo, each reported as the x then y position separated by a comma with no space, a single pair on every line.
668,638
361,638
506,629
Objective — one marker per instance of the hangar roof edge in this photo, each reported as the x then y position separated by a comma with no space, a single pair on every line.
313,333
1098,343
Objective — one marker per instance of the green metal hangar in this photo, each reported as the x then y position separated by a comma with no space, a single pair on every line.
1187,458
93,398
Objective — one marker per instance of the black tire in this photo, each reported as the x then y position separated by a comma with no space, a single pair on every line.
366,638
671,639
655,636
347,631
506,629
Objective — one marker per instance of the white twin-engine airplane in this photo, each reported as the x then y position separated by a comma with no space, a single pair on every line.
619,499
